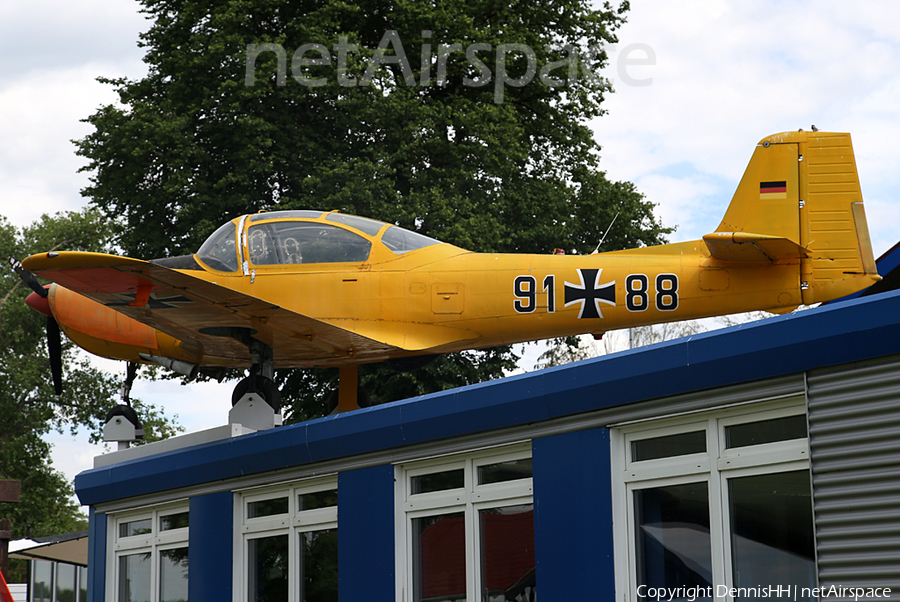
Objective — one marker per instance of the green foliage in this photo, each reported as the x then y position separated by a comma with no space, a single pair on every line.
28,406
563,350
191,145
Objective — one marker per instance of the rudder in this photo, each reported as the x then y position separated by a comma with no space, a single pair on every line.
833,220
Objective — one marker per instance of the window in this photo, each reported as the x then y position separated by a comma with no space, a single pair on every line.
288,538
402,241
364,224
58,582
467,529
220,251
293,242
150,555
715,505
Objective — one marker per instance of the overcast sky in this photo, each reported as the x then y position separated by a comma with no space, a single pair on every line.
722,75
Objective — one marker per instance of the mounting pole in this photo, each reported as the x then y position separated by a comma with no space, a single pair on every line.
10,491
348,387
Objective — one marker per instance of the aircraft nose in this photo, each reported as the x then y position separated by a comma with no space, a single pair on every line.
38,303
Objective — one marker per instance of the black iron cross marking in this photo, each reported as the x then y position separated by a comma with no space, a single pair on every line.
590,299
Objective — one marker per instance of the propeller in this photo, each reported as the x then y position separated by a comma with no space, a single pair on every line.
38,301
27,277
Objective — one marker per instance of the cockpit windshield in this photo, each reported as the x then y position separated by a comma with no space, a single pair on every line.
219,251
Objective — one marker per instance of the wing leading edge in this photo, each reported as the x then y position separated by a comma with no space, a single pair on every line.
213,321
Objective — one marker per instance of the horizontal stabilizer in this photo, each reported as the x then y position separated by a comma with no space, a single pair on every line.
747,247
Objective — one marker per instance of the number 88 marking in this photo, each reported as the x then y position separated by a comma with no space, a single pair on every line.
667,292
637,289
636,286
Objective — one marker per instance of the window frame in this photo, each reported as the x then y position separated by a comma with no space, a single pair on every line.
716,466
80,581
469,500
293,523
154,542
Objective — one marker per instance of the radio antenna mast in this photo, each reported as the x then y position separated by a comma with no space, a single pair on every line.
597,250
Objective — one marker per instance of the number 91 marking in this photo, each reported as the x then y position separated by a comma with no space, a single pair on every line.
525,291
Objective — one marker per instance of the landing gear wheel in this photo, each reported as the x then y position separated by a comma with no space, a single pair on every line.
265,387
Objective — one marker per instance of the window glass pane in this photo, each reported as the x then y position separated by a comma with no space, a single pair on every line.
173,521
267,570
437,481
270,507
402,241
439,558
318,499
507,554
173,575
668,446
504,471
766,431
280,243
135,527
673,543
771,532
369,226
82,584
301,213
65,582
41,580
319,566
134,578
219,251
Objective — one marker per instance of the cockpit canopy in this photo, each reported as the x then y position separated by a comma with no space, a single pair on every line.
298,237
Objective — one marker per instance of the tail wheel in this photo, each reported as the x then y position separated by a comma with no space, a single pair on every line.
265,387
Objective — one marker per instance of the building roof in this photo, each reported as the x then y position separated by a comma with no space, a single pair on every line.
860,329
71,548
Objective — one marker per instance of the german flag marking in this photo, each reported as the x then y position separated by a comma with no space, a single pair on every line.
773,190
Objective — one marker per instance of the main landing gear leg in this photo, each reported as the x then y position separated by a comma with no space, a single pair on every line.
261,380
348,387
348,396
258,387
122,423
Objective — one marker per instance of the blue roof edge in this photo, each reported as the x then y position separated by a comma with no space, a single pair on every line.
855,330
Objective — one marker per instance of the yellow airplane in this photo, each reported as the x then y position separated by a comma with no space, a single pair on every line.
309,288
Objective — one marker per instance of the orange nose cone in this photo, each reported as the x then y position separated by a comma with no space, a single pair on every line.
38,303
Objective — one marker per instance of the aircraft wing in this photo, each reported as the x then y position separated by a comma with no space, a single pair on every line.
205,315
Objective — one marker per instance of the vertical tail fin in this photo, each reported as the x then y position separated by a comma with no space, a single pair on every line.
800,201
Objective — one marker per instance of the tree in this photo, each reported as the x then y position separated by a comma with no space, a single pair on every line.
465,121
28,406
573,349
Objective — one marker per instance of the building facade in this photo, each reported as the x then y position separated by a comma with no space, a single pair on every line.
759,461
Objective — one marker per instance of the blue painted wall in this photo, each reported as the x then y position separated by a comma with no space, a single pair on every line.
846,332
210,547
97,528
366,534
573,534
